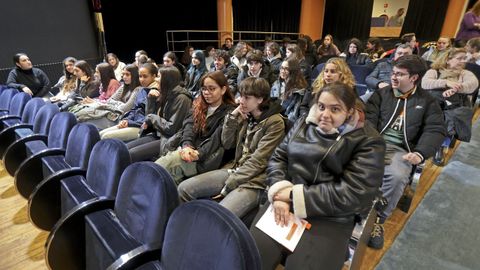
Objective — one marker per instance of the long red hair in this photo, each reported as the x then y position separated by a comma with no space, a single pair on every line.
200,106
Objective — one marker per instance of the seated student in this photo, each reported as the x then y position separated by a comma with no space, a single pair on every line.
274,57
230,70
228,46
239,57
473,50
327,170
138,55
67,83
294,51
105,115
290,88
411,40
199,145
412,126
195,72
129,125
165,112
328,48
353,53
435,52
380,76
254,129
87,85
27,78
116,64
374,49
256,67
108,82
450,84
186,59
209,57
170,59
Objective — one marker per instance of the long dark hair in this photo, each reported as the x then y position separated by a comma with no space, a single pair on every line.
16,58
296,80
200,105
133,69
86,68
342,92
170,78
106,74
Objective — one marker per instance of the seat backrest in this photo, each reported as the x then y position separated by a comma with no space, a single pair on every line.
360,72
17,105
202,234
108,160
80,143
44,118
6,98
147,196
60,127
31,109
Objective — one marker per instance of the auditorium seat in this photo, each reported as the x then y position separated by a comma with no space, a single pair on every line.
360,72
56,138
316,71
39,129
35,174
5,98
15,108
200,235
146,197
108,160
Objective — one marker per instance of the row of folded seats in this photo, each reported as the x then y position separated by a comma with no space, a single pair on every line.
75,189
98,207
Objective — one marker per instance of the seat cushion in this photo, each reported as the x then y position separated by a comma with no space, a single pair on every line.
73,192
23,132
106,239
34,147
52,164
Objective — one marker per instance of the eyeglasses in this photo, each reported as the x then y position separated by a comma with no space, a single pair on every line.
398,74
209,89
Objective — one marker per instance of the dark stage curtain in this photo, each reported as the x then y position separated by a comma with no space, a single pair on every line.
345,19
268,15
425,18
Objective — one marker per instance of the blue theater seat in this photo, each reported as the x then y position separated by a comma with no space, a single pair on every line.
21,133
31,177
17,152
146,197
360,72
200,235
15,109
5,98
108,160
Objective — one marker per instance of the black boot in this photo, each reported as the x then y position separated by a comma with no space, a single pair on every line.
439,158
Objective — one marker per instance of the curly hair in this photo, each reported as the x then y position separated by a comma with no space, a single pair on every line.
441,62
346,75
200,105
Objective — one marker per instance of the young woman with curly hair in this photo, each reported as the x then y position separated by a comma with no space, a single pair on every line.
199,145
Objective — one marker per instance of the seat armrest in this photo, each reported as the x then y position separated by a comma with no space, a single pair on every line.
137,257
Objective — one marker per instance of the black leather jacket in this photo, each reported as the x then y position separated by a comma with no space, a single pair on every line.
339,175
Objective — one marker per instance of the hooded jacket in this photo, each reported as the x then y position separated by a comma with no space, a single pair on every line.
255,142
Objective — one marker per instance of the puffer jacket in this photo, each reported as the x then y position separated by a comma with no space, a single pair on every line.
136,116
333,176
424,127
381,73
255,143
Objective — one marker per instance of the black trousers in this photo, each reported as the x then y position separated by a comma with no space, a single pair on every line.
324,246
144,148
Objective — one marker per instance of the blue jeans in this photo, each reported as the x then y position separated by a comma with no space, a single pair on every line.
206,185
396,177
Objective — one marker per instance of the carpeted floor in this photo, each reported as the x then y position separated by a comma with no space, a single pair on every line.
444,231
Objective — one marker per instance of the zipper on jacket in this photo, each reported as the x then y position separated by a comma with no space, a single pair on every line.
405,124
391,118
324,156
